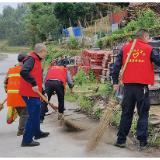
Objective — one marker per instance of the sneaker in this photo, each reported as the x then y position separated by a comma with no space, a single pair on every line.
119,144
143,145
48,113
42,135
31,144
19,133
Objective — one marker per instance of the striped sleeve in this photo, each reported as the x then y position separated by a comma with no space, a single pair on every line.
5,83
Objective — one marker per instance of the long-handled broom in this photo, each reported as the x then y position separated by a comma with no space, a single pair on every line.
104,122
64,121
1,104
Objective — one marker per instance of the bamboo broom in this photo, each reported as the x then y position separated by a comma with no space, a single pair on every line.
1,104
104,122
64,121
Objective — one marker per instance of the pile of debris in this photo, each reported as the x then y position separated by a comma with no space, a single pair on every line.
135,7
97,60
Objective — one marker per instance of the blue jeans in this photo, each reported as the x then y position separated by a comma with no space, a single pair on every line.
32,127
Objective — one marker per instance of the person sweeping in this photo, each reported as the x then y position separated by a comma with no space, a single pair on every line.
30,84
11,86
55,81
138,74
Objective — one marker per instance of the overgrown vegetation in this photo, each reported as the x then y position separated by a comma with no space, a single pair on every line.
153,139
98,112
72,42
5,48
80,78
145,19
107,89
53,53
116,117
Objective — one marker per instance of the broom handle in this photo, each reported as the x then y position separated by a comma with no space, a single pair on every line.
44,98
4,101
82,91
127,60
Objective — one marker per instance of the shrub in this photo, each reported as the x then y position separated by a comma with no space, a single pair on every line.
91,75
80,78
84,102
131,26
145,19
107,89
54,53
98,112
120,31
72,42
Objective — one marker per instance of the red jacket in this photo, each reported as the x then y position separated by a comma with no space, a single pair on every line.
25,87
57,72
139,69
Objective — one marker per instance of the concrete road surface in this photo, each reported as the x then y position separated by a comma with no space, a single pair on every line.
60,142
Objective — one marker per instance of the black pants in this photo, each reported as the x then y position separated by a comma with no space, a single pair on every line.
132,94
23,115
50,87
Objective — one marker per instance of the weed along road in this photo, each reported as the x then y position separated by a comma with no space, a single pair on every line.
60,142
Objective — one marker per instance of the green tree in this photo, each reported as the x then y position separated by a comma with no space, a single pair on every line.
145,19
82,10
73,11
12,25
64,11
40,21
8,11
2,28
47,22
15,27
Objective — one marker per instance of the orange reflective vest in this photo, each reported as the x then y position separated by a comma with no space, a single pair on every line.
139,69
57,72
13,97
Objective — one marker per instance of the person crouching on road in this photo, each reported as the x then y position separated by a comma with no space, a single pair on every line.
30,83
11,85
139,73
55,80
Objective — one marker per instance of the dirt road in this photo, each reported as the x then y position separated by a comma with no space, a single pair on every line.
60,142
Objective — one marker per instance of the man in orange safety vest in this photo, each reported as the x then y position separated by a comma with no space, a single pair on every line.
11,85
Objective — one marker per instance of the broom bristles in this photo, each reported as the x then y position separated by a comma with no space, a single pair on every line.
70,124
100,128
64,121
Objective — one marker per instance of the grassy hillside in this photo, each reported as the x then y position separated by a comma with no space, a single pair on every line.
4,48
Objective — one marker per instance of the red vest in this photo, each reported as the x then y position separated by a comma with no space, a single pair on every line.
13,97
57,72
25,87
139,69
